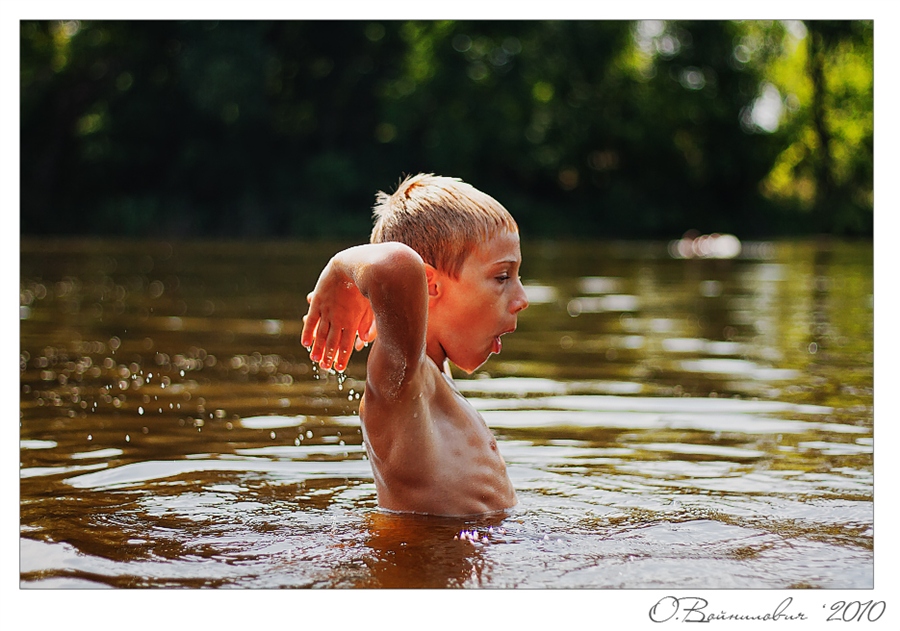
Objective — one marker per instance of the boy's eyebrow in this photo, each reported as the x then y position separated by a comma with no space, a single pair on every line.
506,262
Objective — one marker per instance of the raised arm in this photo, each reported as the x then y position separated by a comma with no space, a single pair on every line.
381,281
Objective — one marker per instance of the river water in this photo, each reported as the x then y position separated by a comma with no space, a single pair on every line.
667,423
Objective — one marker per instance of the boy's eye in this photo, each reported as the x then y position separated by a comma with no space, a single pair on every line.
503,278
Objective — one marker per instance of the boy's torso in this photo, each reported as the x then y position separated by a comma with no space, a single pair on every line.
431,451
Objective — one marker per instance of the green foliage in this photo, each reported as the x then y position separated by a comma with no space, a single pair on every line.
593,128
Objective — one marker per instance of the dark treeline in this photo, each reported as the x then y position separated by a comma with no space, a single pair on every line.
582,128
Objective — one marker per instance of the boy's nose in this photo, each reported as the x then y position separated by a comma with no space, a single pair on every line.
520,300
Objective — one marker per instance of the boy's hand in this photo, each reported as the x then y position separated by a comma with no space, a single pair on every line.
339,319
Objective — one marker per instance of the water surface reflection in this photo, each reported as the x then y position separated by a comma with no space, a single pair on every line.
667,423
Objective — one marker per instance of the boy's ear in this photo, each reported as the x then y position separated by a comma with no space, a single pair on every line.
432,277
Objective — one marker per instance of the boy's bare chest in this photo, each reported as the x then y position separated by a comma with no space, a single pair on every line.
459,423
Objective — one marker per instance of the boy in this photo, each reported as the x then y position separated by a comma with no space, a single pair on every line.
439,282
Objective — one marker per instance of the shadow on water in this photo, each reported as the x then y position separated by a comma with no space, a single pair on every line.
667,423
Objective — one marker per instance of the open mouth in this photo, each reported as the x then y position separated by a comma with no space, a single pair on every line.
497,344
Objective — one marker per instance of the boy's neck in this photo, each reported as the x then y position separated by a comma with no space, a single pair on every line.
436,354
443,365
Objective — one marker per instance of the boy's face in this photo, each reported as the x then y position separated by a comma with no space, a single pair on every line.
469,314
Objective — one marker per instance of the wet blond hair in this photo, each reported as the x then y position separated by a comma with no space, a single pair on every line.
441,218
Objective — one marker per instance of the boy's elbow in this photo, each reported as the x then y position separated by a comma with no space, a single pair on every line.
400,254
398,264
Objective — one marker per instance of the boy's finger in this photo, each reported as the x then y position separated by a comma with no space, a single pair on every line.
344,352
367,326
331,347
319,341
307,335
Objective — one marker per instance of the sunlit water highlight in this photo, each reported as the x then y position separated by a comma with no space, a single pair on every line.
667,423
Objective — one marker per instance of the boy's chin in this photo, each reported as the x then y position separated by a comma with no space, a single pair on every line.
469,368
467,359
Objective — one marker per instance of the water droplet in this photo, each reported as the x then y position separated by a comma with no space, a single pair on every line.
127,438
140,410
272,435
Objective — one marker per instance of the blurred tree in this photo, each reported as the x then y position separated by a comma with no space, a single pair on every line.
593,128
825,169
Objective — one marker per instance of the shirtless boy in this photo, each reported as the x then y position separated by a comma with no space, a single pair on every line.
438,283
